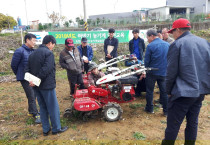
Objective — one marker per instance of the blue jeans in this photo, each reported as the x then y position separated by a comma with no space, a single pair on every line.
177,110
150,84
49,108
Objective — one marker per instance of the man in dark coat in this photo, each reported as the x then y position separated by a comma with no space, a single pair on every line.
41,63
187,81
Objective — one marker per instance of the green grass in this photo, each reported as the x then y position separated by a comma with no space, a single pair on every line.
163,121
61,74
64,121
135,106
29,133
156,108
139,136
30,121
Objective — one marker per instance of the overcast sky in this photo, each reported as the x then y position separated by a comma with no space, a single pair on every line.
37,9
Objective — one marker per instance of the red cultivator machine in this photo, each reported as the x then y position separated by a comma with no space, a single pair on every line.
112,90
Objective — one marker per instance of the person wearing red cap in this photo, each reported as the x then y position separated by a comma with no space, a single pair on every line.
71,60
187,81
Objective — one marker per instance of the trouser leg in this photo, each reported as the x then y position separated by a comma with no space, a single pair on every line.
43,111
192,122
163,94
177,110
150,84
80,81
53,108
72,79
32,108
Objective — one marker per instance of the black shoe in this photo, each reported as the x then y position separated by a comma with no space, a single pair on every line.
63,129
47,133
151,112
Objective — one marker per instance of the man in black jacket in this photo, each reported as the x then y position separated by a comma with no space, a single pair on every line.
41,63
137,47
110,46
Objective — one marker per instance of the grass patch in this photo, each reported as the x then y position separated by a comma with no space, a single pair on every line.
139,136
135,106
74,126
64,121
29,133
61,74
163,121
156,108
205,103
30,121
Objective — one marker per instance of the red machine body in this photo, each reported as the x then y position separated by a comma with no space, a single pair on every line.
86,104
101,96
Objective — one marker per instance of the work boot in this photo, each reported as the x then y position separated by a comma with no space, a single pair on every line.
37,119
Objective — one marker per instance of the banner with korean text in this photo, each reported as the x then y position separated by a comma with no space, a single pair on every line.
93,36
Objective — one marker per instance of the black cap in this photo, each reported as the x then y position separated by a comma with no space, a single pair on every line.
84,39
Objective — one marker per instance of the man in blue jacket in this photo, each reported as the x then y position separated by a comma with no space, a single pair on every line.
41,63
18,63
187,81
155,57
86,53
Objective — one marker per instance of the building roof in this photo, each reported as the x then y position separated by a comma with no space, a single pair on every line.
171,7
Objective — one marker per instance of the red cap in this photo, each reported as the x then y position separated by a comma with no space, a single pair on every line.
180,23
69,42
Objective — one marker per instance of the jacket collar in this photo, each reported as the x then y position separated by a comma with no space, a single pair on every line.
184,34
26,47
137,38
42,45
68,51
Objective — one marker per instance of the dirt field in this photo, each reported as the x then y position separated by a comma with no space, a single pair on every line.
136,127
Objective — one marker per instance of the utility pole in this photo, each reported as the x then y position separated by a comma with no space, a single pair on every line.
26,13
60,11
85,17
46,11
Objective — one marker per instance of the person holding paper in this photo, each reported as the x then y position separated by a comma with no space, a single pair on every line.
86,53
18,63
41,63
71,60
110,46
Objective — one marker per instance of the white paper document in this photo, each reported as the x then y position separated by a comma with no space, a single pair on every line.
84,58
31,78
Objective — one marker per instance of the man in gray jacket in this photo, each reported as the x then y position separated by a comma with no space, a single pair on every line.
187,81
70,60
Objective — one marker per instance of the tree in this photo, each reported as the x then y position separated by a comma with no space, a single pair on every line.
78,20
98,20
66,24
70,21
41,26
7,21
54,17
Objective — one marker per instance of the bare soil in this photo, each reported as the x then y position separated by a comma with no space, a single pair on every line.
17,127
